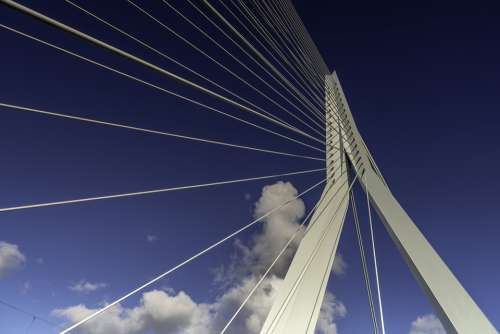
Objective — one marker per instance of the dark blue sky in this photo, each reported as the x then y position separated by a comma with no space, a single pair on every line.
423,85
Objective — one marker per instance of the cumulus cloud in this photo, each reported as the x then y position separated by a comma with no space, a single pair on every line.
164,311
159,311
277,228
252,316
84,286
11,258
427,324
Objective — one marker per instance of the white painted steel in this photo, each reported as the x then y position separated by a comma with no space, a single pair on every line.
298,302
296,308
455,307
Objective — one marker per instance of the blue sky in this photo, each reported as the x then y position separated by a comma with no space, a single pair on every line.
422,83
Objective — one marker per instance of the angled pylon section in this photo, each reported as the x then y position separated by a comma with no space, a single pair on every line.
296,308
456,309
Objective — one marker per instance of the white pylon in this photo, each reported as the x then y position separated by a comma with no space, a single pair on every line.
296,308
298,302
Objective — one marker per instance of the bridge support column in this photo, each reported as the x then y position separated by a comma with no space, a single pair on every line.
296,308
453,305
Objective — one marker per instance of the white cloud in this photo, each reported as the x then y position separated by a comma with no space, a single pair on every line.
164,311
427,324
151,238
159,311
339,266
252,316
84,286
277,228
11,258
331,310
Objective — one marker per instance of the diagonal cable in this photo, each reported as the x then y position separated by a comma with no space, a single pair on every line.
154,191
143,62
185,262
302,56
253,21
283,81
250,70
277,31
375,265
178,63
162,133
309,261
363,262
287,244
301,84
304,34
32,315
151,85
263,276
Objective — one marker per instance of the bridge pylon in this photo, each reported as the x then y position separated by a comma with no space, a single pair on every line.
298,302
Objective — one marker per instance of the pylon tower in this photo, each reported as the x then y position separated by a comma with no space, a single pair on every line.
297,306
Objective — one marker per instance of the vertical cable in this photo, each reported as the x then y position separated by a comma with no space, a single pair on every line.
379,296
363,263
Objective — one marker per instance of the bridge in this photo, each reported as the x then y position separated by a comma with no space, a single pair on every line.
314,114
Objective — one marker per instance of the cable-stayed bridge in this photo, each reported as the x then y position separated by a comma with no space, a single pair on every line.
301,101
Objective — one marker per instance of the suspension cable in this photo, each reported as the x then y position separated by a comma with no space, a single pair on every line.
363,262
271,41
295,92
263,276
155,191
163,25
163,133
215,42
250,17
258,40
27,313
250,70
143,62
302,51
310,259
302,38
151,85
285,83
280,28
287,244
225,50
375,265
229,37
178,63
303,60
274,22
185,262
277,29
304,34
